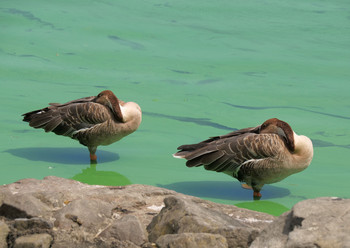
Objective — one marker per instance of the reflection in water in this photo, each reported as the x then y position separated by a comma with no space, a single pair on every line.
269,207
224,190
93,177
61,155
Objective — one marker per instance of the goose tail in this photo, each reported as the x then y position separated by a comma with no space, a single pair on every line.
42,118
187,150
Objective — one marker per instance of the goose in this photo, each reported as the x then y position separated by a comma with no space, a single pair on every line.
255,156
93,121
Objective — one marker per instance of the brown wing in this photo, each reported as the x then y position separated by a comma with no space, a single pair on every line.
65,119
185,149
228,154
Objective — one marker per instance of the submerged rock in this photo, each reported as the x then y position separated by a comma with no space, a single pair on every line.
56,212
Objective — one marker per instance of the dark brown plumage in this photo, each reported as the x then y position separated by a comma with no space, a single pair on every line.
259,155
93,121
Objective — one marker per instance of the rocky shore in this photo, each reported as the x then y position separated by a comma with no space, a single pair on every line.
56,212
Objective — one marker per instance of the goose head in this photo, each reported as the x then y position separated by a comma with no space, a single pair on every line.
282,129
108,99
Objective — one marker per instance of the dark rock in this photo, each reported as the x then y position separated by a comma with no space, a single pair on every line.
319,223
34,241
11,212
186,216
32,224
4,232
193,240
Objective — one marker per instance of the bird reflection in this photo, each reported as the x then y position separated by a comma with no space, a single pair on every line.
92,176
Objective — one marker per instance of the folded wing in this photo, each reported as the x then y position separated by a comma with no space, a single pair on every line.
228,153
68,118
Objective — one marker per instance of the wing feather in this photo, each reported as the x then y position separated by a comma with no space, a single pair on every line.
68,118
232,152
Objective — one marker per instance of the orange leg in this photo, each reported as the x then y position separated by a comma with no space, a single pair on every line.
92,150
256,195
93,157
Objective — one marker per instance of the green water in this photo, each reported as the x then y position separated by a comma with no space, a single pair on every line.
197,69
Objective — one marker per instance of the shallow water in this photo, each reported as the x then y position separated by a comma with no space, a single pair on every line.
197,69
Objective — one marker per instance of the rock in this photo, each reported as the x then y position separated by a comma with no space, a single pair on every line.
128,228
4,232
79,212
34,224
20,205
193,240
92,214
321,223
34,241
67,213
186,216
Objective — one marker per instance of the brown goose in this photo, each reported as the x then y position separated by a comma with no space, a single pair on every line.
93,121
258,155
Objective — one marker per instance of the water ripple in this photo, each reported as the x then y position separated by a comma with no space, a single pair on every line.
198,121
128,43
286,107
29,16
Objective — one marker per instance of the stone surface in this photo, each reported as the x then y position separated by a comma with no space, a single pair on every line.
67,213
89,213
33,241
82,215
191,240
36,224
319,223
4,231
127,228
186,216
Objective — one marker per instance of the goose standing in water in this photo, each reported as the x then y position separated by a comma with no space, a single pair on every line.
259,155
93,121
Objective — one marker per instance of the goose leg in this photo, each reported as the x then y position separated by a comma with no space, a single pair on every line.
92,150
256,193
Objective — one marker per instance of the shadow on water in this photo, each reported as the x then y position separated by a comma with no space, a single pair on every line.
224,190
233,191
94,177
60,155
